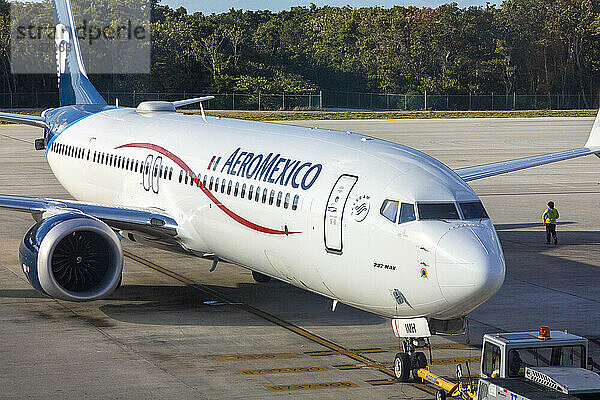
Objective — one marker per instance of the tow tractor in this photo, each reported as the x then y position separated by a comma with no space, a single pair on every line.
544,365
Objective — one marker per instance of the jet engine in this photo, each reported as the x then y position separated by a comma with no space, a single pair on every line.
72,256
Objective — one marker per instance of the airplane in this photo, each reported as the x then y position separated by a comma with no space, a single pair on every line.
372,224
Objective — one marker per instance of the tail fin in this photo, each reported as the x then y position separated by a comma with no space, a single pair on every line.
74,86
594,138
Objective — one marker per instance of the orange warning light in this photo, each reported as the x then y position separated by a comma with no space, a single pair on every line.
544,333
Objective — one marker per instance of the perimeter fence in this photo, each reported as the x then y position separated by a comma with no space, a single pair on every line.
330,100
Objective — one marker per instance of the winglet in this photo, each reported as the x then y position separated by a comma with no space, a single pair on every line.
593,141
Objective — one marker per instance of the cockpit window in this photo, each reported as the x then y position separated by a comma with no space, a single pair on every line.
473,210
389,209
407,213
437,211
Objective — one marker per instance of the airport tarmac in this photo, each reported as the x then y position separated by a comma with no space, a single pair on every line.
174,330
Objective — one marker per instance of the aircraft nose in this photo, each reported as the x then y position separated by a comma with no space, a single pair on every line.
470,265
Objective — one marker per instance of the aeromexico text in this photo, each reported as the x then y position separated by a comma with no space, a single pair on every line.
272,168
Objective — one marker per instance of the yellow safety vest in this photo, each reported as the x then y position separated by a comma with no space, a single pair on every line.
550,215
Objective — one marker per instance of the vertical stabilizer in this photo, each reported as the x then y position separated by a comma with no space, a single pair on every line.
593,141
74,86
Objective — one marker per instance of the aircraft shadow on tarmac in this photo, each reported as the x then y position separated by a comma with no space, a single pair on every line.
504,227
180,305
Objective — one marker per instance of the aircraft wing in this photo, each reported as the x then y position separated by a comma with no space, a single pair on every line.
592,146
181,103
143,221
487,170
24,119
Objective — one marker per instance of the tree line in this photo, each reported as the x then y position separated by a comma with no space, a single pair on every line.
523,46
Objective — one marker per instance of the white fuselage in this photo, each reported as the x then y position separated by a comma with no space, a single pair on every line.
329,237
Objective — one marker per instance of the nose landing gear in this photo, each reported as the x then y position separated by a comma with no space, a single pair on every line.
415,335
409,360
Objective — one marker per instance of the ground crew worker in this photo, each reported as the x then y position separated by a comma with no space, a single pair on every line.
549,218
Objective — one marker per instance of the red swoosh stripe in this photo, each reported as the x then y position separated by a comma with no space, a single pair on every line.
207,192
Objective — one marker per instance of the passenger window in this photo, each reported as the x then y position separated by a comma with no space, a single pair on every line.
137,164
295,202
389,209
94,158
180,174
491,360
217,185
229,188
264,198
187,174
88,155
155,170
287,201
237,186
257,197
170,173
242,195
223,186
204,182
407,213
271,197
199,183
279,195
212,180
251,192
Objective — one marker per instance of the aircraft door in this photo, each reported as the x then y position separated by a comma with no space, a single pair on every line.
334,213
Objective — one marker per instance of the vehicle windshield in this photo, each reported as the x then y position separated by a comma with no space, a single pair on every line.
569,356
429,211
473,210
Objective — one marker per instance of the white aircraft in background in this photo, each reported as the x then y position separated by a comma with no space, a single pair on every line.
369,223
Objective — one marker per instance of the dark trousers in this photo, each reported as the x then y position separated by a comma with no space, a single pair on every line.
551,230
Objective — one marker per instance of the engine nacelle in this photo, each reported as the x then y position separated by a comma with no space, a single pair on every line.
72,257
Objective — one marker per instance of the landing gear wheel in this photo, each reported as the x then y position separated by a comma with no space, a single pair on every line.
402,367
440,395
258,277
420,361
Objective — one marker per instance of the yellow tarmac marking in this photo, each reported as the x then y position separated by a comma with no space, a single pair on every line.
349,366
380,382
277,321
446,361
280,370
333,353
238,357
310,386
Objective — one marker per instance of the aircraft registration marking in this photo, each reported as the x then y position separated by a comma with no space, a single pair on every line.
280,370
310,386
238,357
